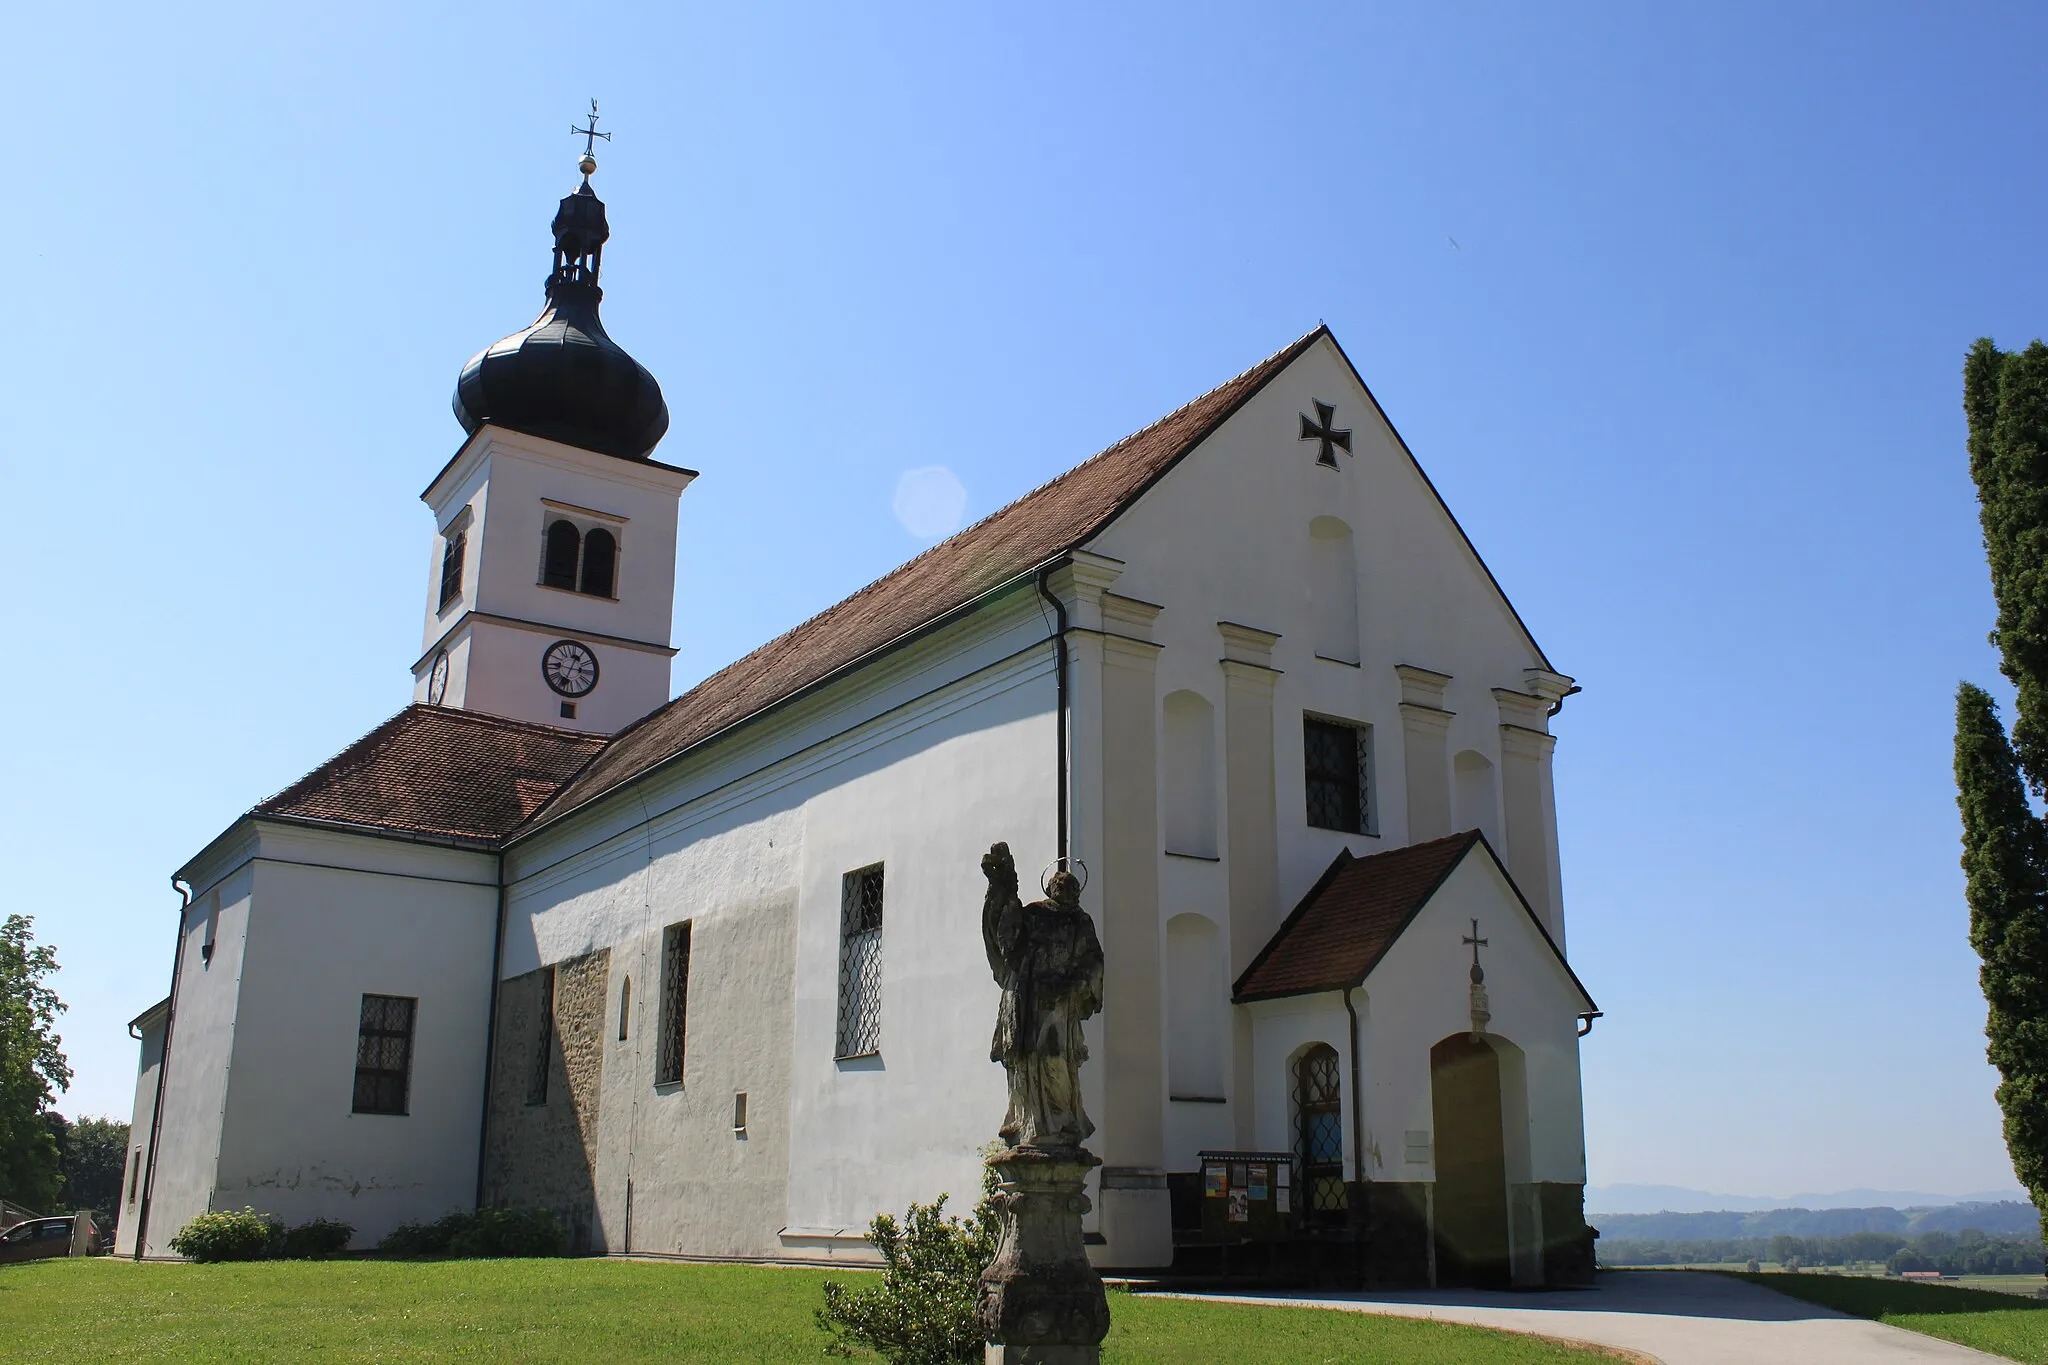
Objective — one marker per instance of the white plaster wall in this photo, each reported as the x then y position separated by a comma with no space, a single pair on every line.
503,479
408,920
919,764
1418,996
502,677
1226,536
143,1113
1281,1031
202,1045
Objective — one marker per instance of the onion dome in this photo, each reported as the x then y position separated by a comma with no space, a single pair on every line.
562,378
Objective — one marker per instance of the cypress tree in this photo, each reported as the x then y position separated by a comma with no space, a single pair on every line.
2005,845
2005,863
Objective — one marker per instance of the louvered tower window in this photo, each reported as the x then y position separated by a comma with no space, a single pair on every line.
860,963
451,568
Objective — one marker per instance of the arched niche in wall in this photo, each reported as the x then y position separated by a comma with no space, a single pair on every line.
1189,764
1197,1002
1478,796
1333,586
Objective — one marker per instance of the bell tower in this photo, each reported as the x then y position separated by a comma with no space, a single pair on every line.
552,578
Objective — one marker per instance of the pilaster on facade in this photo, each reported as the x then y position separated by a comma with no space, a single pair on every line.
1244,644
1422,687
1251,832
1080,582
1425,751
1529,803
1553,687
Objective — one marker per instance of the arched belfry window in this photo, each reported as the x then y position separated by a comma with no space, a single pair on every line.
558,559
600,562
1319,1137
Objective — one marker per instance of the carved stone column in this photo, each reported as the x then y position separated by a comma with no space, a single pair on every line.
1252,854
1425,751
1041,1301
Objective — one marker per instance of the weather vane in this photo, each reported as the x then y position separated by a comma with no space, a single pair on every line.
587,163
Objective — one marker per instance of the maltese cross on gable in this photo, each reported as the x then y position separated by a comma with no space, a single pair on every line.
1325,431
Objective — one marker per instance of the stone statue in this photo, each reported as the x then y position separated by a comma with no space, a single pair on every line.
1046,958
1041,1301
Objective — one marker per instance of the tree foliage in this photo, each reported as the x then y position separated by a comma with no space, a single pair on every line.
32,1067
924,1309
2005,847
91,1154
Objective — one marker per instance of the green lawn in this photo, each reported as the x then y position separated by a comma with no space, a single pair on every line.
611,1311
2000,1323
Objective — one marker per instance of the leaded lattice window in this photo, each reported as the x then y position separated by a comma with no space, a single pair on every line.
860,963
544,1040
675,1003
1319,1137
451,569
1337,772
384,1054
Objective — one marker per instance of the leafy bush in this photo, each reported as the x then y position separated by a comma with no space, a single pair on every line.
225,1235
316,1240
493,1232
510,1232
923,1311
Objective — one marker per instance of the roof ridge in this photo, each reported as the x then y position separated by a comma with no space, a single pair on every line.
505,722
1068,473
1065,511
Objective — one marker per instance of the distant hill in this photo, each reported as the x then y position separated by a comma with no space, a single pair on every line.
2007,1216
1610,1199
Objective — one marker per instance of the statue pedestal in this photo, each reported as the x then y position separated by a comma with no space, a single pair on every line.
1041,1302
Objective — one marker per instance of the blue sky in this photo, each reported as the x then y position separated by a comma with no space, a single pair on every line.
1670,303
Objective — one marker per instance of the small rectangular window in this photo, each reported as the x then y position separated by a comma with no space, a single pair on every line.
739,1113
568,710
675,1003
451,569
860,963
1337,772
544,1041
384,1054
135,1176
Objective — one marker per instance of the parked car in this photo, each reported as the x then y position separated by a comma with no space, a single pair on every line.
36,1238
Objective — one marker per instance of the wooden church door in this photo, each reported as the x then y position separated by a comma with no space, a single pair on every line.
1471,1164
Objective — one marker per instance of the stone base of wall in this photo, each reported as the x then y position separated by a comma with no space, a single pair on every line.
541,1149
1567,1241
1391,1219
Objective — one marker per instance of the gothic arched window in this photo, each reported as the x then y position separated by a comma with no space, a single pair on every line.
558,560
1319,1137
600,561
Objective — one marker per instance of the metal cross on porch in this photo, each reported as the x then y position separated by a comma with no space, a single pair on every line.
590,135
1477,943
1323,430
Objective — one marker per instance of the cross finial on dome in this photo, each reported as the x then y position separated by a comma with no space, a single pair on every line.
587,163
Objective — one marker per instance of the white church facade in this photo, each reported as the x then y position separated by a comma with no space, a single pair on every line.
704,975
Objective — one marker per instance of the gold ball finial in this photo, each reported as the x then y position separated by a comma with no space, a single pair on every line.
587,164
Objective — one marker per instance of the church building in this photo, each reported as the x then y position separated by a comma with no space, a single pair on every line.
704,975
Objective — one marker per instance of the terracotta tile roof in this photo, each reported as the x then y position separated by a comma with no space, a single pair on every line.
1056,517
430,770
1350,917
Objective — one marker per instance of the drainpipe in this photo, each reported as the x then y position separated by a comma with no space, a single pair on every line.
1586,1021
1059,656
1357,1110
163,1067
483,1127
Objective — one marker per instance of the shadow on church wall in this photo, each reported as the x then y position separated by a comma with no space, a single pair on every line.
546,1071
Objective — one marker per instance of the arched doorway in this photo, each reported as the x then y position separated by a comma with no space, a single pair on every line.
1471,1163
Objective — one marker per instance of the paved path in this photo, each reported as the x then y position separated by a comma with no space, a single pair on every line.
1678,1317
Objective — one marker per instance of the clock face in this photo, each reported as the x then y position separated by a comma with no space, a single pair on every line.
437,681
569,667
